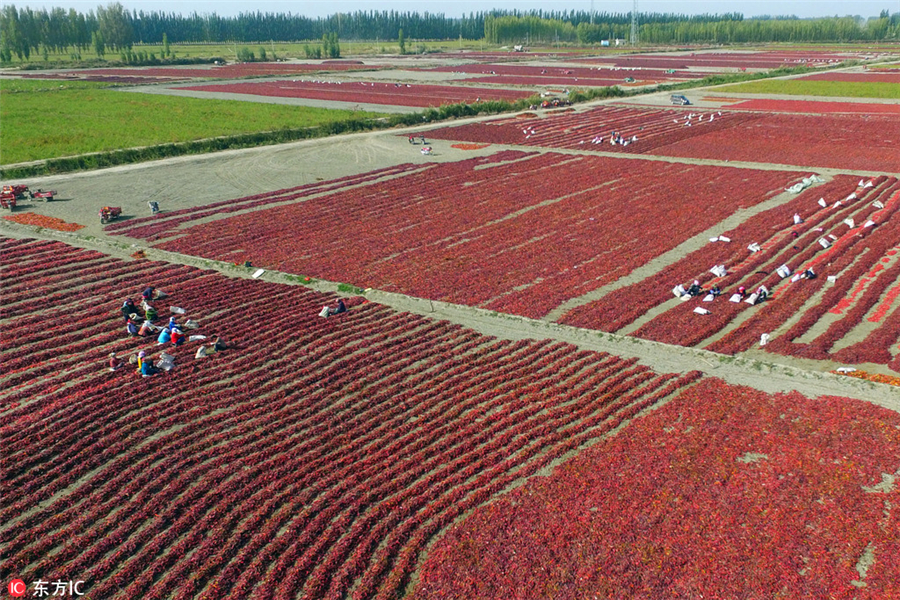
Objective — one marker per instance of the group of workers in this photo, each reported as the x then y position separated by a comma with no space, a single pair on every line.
761,293
695,289
170,333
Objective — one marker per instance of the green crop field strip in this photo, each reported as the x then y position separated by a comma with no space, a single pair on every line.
798,87
48,119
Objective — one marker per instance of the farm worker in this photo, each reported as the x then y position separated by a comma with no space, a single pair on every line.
695,289
715,291
131,327
150,313
763,292
147,294
147,368
809,274
177,336
165,336
146,329
172,322
128,308
202,351
742,291
140,359
114,362
341,307
219,344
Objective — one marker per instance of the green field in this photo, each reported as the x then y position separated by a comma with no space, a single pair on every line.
49,119
799,87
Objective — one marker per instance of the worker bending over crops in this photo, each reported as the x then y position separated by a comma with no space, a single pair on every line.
177,336
128,308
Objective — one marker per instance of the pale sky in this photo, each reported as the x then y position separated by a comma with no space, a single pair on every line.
454,8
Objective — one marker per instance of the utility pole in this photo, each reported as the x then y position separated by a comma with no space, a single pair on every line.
634,34
592,12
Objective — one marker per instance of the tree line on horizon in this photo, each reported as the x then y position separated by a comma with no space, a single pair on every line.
27,32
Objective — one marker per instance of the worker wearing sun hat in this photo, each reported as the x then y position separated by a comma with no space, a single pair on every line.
177,336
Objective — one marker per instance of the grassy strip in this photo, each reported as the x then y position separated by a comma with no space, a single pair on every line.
840,89
52,119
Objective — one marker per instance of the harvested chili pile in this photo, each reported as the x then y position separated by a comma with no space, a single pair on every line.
28,218
876,377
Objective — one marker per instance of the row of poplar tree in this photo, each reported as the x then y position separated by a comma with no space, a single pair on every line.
25,32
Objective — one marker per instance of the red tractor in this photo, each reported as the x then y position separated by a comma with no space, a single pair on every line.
19,192
7,201
110,213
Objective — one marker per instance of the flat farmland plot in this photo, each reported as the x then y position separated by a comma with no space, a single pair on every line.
734,60
515,232
859,142
824,88
817,106
231,71
593,129
512,74
724,492
867,77
393,94
836,141
312,458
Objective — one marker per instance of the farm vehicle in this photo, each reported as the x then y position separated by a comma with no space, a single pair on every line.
554,102
10,194
110,213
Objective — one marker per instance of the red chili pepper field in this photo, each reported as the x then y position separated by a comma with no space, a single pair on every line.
636,349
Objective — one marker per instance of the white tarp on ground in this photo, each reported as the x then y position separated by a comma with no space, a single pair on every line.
878,204
804,183
719,271
679,291
701,311
824,243
784,271
822,202
754,247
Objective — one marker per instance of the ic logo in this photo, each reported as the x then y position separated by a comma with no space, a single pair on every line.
17,588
